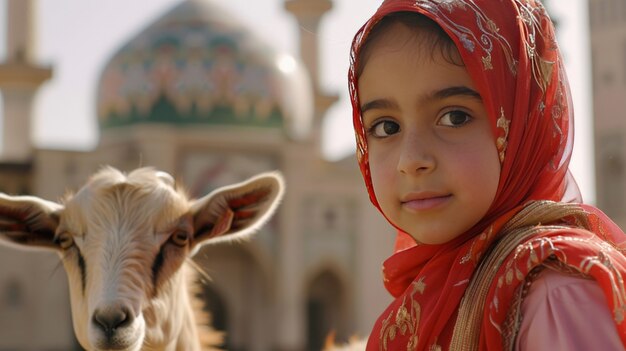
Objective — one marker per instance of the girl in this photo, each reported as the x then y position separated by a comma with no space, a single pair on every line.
463,121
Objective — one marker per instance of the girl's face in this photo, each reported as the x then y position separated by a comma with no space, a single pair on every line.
432,155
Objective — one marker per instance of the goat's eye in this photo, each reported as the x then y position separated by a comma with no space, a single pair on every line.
180,238
64,240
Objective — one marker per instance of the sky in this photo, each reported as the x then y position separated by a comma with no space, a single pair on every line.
78,37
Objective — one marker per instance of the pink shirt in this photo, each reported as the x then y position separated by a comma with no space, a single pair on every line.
563,312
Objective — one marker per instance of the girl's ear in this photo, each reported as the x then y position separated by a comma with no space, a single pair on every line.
236,211
28,222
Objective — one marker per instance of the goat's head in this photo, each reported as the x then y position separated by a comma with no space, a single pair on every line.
123,239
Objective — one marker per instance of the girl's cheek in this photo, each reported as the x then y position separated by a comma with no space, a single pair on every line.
382,172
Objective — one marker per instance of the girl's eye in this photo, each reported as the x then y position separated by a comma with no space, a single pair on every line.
384,129
454,119
180,238
64,240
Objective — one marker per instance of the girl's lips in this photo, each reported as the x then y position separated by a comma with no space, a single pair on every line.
426,203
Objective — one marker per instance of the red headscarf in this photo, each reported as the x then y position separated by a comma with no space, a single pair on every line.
510,51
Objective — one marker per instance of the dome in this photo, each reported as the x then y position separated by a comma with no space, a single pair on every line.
194,65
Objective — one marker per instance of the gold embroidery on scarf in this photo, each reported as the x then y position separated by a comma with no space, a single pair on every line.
531,16
518,229
617,281
557,112
492,26
487,65
450,4
486,38
406,320
502,142
576,216
435,347
475,256
606,239
545,73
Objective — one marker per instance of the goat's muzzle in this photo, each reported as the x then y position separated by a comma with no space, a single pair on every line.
114,327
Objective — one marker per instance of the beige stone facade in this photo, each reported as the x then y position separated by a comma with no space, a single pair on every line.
608,45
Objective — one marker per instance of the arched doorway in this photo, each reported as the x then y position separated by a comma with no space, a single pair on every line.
217,309
325,310
238,296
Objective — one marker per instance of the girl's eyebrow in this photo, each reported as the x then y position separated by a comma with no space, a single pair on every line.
455,91
378,104
437,95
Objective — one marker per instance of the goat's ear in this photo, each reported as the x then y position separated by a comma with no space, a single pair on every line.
236,211
28,222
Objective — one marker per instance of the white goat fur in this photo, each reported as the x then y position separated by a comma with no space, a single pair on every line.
124,240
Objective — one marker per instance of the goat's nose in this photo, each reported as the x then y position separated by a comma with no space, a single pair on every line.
112,318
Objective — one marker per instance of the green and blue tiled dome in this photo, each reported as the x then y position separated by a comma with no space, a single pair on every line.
194,65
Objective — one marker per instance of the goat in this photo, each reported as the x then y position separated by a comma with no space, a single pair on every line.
124,240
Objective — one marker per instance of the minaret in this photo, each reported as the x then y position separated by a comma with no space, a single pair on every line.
291,312
20,77
309,13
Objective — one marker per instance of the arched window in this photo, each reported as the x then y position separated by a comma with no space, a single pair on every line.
325,310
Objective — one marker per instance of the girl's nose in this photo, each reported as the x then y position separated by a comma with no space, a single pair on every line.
416,157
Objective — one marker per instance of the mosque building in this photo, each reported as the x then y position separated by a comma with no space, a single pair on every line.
607,20
199,96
